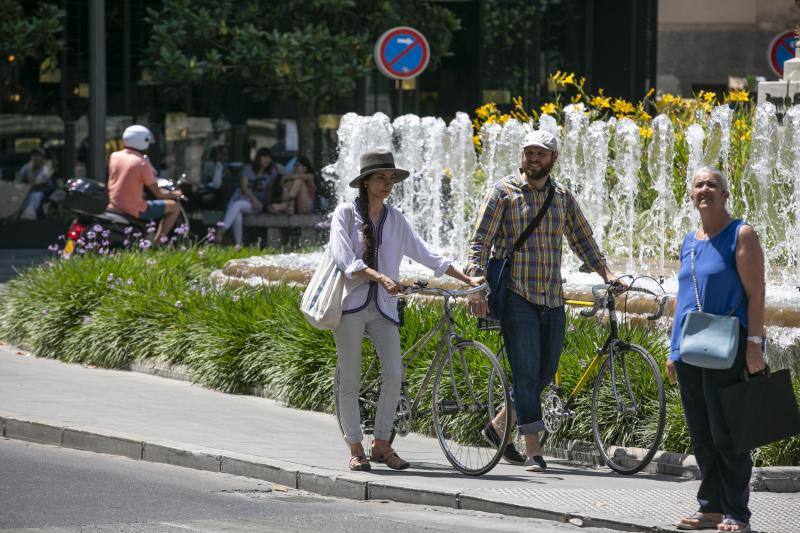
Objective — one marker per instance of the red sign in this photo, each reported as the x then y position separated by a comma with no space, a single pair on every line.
402,53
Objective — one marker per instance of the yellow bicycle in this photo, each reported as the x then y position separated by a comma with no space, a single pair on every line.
627,406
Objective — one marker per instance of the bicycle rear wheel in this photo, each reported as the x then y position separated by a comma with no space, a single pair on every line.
628,409
461,406
367,404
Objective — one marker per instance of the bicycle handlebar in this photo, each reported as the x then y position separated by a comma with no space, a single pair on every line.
420,288
601,300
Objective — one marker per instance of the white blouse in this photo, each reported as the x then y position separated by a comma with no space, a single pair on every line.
395,238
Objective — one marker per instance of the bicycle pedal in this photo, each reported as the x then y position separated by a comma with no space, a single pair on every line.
448,407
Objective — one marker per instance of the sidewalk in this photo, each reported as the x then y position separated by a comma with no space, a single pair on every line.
172,421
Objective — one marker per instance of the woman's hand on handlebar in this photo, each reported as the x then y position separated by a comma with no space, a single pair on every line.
475,281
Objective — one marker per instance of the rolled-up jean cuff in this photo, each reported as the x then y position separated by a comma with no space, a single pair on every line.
532,427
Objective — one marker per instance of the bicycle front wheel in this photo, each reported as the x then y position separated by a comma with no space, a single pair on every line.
628,409
462,403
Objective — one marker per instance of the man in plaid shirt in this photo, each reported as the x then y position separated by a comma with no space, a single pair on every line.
534,320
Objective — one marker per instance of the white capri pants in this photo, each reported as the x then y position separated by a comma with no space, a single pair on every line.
385,335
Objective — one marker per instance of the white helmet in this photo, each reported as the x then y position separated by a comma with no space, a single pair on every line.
137,137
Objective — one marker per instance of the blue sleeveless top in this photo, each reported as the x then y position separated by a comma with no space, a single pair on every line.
720,288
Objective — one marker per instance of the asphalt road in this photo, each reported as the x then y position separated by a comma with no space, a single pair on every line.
50,489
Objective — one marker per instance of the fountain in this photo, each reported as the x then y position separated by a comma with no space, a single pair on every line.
448,181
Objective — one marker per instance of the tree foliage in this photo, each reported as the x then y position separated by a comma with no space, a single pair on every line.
32,36
309,50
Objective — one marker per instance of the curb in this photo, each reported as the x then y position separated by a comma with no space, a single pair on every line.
764,479
353,486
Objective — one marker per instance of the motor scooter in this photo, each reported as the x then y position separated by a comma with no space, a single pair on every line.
89,200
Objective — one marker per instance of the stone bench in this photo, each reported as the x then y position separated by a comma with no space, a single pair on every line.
278,230
285,230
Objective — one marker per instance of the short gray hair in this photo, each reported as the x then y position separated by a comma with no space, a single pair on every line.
714,172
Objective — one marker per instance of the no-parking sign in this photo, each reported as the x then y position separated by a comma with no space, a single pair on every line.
402,53
780,49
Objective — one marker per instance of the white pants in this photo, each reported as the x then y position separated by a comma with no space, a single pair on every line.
386,338
234,217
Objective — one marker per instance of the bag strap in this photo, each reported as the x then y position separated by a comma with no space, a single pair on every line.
536,220
697,287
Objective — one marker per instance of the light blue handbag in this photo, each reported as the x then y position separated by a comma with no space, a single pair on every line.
708,340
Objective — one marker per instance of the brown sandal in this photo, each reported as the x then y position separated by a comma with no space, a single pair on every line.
359,463
390,459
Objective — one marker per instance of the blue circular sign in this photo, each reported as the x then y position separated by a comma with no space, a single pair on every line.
781,49
402,53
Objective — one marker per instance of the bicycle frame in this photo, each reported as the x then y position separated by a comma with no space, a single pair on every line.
449,337
607,350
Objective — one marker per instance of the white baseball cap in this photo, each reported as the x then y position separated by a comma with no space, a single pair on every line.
542,139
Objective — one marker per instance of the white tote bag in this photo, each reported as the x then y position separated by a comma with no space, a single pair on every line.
322,299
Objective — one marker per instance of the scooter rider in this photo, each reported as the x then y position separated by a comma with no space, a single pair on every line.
129,172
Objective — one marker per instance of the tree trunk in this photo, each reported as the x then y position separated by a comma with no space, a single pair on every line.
307,127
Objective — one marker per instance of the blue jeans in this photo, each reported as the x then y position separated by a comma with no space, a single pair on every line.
534,337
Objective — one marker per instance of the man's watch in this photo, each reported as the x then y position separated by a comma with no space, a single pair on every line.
755,339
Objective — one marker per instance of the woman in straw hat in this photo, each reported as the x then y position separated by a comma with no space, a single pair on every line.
368,240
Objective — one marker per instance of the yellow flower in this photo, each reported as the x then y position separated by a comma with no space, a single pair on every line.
623,106
575,99
707,96
740,124
745,136
562,78
650,93
600,101
738,96
549,108
645,132
570,79
476,140
669,99
642,114
503,119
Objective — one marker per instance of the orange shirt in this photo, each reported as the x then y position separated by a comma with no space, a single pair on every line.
129,172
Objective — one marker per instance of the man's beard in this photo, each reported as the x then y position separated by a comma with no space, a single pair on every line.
541,173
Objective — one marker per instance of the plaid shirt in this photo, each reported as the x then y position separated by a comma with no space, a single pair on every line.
507,210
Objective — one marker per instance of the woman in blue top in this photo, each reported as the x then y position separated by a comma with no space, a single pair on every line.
729,267
253,193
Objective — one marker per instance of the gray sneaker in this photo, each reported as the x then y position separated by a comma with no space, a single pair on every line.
535,464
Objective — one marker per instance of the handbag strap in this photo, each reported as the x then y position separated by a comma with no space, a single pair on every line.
536,220
697,287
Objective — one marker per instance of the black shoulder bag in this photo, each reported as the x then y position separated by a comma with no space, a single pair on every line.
498,271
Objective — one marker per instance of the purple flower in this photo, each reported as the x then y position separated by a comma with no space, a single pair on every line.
202,291
87,320
91,235
106,234
80,242
91,245
163,239
129,281
53,247
110,277
220,224
145,244
137,235
81,251
97,228
102,251
62,237
45,312
105,244
235,298
128,229
126,243
178,304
